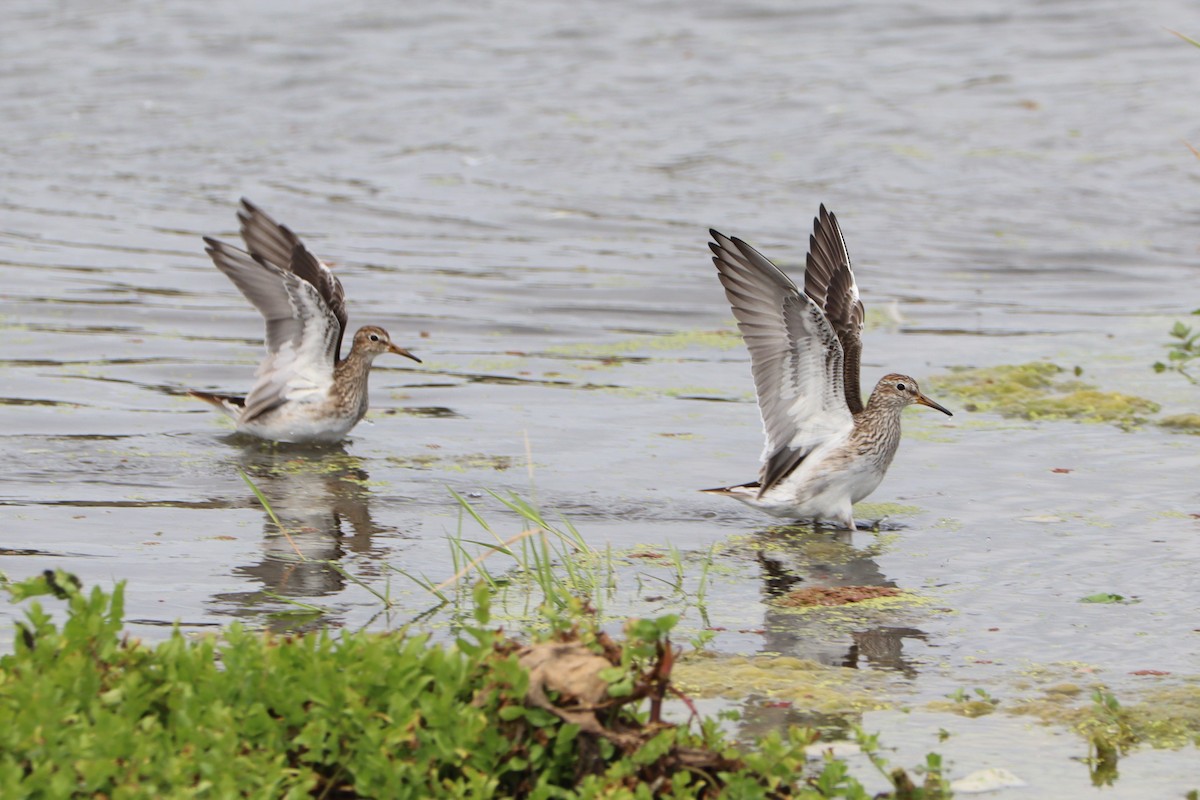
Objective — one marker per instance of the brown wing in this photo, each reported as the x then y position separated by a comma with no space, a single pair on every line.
829,281
278,246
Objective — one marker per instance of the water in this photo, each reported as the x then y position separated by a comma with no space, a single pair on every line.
520,193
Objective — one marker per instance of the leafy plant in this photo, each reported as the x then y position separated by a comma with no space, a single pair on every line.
979,705
1110,734
88,712
1182,351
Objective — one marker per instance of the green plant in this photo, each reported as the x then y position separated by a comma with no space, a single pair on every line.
88,712
934,787
1182,351
1110,734
981,704
548,567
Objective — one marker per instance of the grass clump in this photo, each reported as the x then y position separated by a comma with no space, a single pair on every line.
88,712
1039,390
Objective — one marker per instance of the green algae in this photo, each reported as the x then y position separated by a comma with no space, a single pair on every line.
966,706
1040,391
1182,423
885,510
454,463
1163,713
277,463
722,339
801,545
1161,717
808,683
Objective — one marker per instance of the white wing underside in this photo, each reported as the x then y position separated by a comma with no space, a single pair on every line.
302,331
795,356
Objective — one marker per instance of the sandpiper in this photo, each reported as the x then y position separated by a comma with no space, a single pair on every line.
825,450
304,391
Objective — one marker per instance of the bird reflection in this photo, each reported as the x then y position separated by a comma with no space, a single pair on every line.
797,557
320,496
793,558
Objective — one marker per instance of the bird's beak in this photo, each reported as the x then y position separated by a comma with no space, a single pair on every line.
400,351
925,401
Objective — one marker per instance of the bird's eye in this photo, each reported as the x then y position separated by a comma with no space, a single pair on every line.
901,387
374,337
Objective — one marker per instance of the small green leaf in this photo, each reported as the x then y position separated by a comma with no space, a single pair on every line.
509,713
1103,597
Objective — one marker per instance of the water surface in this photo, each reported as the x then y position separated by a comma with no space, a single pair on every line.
521,193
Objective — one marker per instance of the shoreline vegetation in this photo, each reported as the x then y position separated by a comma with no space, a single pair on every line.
87,711
565,703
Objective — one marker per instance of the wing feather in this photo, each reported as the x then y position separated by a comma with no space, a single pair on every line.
278,246
829,281
302,331
795,356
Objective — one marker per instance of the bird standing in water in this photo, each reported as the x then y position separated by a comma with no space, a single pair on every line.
825,450
304,391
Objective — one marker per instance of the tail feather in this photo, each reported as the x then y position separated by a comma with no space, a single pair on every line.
741,488
226,403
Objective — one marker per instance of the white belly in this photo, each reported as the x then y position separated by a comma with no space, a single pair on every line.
819,488
300,422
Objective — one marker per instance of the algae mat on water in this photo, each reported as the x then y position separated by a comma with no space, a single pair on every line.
1041,390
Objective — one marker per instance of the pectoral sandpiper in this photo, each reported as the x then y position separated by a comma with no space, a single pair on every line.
304,391
825,450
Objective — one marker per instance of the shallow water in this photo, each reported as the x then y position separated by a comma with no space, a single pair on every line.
520,193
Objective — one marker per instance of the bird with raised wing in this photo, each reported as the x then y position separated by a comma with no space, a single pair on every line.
825,450
304,390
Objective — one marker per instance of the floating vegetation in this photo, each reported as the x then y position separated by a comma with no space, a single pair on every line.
879,511
1161,715
1107,598
722,339
977,703
454,463
428,412
1182,423
1041,390
809,684
835,595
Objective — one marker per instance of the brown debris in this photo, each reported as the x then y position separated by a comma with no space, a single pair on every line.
835,595
564,679
573,672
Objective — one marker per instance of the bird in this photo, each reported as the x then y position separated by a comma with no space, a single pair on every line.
304,391
825,450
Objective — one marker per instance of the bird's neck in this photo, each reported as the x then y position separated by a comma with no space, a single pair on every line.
878,405
350,378
877,427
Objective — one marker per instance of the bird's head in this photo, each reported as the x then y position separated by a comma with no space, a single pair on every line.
898,391
373,340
